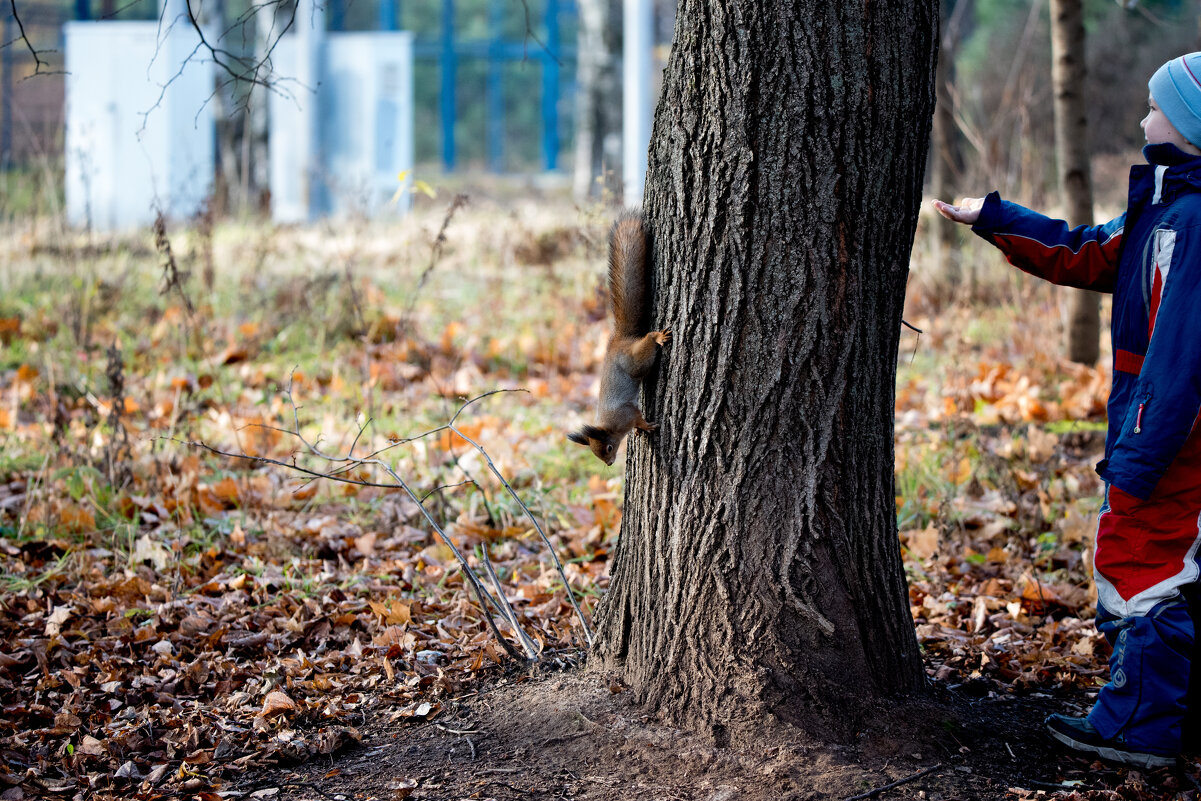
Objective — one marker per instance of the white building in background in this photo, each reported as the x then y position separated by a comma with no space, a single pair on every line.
140,134
342,128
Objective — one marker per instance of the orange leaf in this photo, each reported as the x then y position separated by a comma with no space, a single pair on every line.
277,702
1039,593
10,327
226,490
233,354
76,518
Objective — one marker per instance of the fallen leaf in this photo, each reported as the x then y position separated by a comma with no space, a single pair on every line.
277,702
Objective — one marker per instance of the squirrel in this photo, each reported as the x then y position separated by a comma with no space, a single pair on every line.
632,349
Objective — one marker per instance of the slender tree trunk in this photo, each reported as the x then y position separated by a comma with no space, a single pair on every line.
259,179
1072,154
228,125
598,110
945,164
758,569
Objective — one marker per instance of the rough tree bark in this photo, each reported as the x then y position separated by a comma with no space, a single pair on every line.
758,570
1072,155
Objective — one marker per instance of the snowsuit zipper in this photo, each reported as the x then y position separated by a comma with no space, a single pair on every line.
1138,418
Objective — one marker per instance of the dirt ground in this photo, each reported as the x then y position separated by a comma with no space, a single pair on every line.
568,736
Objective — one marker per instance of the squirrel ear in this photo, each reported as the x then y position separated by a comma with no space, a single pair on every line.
578,436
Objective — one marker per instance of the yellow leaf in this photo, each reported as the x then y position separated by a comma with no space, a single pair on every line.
1083,647
399,614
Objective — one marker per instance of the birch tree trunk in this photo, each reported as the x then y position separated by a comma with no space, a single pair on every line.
1072,155
758,569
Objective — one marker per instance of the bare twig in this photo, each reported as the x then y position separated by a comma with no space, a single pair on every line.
238,67
436,245
526,643
37,59
537,526
500,603
441,487
483,597
897,783
529,32
116,451
173,277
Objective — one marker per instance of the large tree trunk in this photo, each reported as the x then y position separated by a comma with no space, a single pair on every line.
1072,154
758,569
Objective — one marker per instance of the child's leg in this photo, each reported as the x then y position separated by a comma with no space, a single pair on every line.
1144,703
1192,721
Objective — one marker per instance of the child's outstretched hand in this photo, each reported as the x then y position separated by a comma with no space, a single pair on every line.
967,212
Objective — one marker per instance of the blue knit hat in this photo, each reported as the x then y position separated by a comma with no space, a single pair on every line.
1176,87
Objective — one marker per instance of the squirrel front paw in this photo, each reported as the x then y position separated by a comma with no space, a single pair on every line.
662,337
646,426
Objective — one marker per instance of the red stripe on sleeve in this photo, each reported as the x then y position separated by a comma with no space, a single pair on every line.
1126,362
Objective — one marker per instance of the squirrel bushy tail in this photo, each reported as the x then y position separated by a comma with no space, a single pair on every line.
632,348
628,276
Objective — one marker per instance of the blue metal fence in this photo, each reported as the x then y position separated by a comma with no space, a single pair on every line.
449,52
552,56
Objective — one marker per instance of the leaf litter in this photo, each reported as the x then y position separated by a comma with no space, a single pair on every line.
205,618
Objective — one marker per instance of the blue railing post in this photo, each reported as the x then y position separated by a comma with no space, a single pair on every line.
448,84
389,18
337,15
550,87
83,11
494,89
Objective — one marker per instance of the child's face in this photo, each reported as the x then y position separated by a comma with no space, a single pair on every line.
1158,130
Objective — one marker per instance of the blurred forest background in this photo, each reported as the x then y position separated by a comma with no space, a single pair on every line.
996,53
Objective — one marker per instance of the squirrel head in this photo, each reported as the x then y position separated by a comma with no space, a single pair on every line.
603,443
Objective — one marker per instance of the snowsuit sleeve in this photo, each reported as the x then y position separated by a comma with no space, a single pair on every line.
1167,395
1085,257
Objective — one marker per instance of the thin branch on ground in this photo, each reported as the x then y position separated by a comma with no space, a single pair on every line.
538,526
350,461
441,487
897,783
458,202
531,650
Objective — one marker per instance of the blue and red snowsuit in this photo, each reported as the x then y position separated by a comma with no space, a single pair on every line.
1148,528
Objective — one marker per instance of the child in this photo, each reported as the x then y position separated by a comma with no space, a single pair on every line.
1146,560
